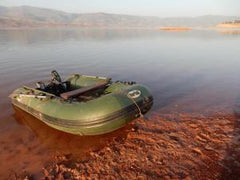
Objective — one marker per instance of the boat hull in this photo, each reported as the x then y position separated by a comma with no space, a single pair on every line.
104,125
104,114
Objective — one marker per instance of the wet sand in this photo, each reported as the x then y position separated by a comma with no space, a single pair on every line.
169,146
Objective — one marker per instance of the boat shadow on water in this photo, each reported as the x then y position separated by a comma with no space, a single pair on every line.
55,141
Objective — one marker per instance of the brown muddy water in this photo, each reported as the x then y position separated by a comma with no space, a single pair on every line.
194,78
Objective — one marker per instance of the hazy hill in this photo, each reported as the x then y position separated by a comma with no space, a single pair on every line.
26,16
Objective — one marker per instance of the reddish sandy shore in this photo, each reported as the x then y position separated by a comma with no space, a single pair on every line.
171,146
175,28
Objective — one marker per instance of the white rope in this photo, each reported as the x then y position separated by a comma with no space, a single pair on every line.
140,112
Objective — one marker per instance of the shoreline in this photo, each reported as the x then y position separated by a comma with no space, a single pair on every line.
168,146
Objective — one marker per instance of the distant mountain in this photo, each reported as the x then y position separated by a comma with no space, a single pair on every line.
26,16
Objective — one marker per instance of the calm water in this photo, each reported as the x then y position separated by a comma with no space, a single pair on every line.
196,71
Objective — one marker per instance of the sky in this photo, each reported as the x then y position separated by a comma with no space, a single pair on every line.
160,8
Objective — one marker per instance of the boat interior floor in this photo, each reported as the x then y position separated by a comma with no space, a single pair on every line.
64,91
52,87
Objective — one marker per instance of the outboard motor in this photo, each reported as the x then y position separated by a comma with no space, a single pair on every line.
55,86
56,77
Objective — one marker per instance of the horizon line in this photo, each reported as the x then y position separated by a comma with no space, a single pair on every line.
117,13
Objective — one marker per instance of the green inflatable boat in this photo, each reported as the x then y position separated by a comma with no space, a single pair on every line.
84,105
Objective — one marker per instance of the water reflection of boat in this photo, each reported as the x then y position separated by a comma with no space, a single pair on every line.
56,141
84,105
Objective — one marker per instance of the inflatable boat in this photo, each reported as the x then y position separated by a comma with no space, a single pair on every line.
84,105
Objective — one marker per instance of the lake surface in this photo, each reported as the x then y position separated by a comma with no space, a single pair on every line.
196,71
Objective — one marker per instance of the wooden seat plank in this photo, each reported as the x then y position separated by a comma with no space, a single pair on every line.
78,92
